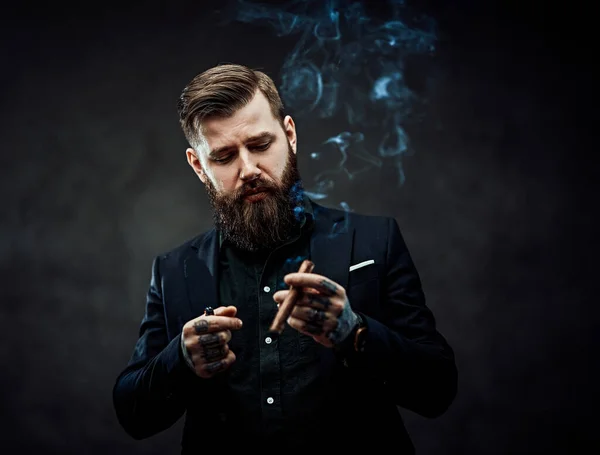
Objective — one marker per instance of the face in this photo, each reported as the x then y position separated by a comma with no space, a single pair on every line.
247,163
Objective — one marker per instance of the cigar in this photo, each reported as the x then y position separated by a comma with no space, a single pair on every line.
286,308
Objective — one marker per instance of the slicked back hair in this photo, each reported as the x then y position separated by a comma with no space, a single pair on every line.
219,92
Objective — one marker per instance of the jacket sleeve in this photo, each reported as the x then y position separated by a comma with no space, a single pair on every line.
404,349
148,395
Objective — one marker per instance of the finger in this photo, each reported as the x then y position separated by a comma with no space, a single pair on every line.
208,370
214,353
307,328
280,296
310,314
207,324
206,340
316,300
307,290
226,311
314,321
312,280
214,338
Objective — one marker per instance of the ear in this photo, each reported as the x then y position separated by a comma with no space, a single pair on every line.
194,162
290,131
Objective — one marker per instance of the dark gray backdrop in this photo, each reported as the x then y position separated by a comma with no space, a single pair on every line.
494,208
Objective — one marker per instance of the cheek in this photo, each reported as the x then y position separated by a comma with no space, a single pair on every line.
276,170
223,181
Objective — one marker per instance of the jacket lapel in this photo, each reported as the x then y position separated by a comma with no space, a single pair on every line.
331,244
200,270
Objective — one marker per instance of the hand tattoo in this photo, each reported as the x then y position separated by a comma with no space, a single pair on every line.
346,322
201,326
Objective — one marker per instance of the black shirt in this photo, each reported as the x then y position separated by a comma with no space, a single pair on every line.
273,381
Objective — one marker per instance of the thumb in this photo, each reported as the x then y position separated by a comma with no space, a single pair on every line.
226,311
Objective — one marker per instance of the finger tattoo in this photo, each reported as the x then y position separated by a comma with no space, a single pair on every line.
201,326
212,354
316,315
209,340
329,286
321,299
211,346
215,367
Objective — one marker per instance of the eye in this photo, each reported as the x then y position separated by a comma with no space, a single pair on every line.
222,160
262,147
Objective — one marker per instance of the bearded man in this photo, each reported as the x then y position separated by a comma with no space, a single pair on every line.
359,343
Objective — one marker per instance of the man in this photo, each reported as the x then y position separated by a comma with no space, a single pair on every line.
359,342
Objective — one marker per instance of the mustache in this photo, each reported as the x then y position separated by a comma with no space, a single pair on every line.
252,186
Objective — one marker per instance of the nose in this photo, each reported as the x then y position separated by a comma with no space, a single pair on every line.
249,169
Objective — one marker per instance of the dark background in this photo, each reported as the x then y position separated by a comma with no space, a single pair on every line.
496,209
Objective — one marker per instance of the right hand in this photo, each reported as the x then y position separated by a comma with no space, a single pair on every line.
206,338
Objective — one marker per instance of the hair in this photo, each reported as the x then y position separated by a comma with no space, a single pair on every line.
219,92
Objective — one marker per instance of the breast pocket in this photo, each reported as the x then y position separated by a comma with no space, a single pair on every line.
363,273
363,288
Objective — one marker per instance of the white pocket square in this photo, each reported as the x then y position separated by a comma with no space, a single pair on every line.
361,264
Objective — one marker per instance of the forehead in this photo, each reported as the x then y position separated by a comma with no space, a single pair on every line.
253,118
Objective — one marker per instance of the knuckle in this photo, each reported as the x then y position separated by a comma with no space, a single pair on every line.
188,329
206,339
189,344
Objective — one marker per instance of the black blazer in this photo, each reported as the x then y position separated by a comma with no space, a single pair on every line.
407,363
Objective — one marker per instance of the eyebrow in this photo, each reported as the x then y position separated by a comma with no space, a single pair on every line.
260,137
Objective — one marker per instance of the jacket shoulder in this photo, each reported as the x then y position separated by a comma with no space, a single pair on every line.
183,248
357,220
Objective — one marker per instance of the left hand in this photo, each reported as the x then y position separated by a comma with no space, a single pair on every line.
322,310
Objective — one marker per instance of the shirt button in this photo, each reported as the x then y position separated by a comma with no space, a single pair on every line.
268,340
267,289
270,400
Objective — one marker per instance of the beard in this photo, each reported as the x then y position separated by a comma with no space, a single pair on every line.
264,224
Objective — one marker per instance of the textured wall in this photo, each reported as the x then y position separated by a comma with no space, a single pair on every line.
494,210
